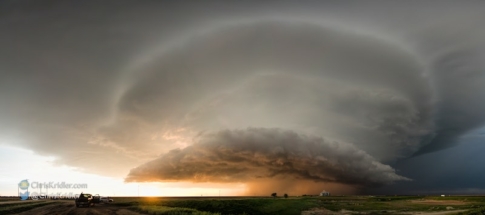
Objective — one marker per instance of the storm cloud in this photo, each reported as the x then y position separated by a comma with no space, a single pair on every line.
254,153
154,84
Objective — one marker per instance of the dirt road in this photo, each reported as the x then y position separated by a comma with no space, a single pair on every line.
69,208
10,202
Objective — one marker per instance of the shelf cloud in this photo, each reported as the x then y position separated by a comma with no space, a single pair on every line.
261,153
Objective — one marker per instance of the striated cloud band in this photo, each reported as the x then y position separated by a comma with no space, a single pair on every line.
259,153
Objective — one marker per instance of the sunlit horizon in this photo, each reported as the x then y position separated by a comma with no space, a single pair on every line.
41,169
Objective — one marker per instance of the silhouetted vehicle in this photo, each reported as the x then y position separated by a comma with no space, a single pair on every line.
86,199
105,199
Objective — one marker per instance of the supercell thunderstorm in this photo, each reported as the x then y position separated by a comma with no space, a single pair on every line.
332,94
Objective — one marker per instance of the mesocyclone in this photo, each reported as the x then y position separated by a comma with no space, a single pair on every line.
320,80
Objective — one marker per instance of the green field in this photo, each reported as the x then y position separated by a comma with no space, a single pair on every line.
295,205
10,208
409,205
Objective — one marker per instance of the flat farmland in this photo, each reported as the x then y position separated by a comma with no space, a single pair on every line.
424,205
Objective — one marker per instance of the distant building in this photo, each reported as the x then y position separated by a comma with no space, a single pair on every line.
325,193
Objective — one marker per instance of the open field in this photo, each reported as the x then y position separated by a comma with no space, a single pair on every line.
411,205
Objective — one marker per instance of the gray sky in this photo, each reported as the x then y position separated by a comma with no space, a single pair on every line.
369,95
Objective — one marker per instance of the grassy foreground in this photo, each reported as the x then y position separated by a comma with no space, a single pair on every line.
253,206
20,207
463,205
159,210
